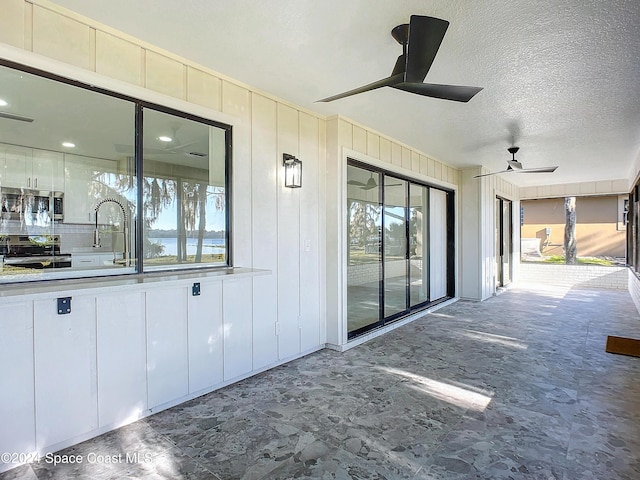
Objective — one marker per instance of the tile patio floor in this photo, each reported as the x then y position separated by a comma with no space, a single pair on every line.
516,387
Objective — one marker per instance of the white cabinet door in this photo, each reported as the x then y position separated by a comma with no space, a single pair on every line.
205,337
65,370
237,327
85,183
265,300
47,170
17,162
17,431
167,357
121,340
79,173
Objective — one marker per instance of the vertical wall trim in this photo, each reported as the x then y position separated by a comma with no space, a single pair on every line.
28,26
92,49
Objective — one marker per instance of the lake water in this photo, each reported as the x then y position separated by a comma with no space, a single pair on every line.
210,245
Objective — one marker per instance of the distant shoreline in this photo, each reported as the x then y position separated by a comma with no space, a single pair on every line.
194,234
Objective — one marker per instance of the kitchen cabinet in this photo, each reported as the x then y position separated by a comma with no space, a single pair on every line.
92,260
205,337
47,170
17,433
167,350
84,185
66,380
121,340
237,317
30,168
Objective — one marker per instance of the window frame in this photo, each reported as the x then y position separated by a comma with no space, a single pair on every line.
139,105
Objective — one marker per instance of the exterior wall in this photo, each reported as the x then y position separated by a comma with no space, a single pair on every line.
603,187
585,276
270,222
597,230
634,288
478,269
275,229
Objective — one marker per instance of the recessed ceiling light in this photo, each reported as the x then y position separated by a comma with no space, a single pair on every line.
164,138
68,144
3,103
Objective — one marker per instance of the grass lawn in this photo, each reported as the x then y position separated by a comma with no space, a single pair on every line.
559,259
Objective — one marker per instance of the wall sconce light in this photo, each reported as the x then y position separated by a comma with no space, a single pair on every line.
292,171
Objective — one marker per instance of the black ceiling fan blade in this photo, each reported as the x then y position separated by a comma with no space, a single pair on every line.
457,93
538,170
385,82
425,37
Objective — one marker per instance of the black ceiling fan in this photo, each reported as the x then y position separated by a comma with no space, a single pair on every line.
420,40
514,166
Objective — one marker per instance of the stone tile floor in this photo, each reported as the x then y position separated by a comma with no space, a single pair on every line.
516,387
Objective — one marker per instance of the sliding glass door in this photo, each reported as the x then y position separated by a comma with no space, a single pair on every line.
504,240
418,244
364,268
395,246
399,244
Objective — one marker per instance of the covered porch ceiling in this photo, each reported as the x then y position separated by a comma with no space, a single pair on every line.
560,79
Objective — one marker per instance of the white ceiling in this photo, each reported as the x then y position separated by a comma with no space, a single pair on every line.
561,78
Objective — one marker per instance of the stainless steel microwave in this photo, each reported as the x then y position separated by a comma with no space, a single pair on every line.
32,206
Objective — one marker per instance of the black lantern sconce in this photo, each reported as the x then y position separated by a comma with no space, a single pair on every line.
292,171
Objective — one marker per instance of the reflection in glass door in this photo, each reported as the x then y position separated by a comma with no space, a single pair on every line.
504,236
395,246
418,244
363,245
400,247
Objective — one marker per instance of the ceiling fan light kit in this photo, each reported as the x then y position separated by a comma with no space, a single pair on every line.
420,40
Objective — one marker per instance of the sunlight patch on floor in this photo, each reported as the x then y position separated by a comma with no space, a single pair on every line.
493,338
458,396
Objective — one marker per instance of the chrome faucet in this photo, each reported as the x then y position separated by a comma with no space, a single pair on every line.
96,232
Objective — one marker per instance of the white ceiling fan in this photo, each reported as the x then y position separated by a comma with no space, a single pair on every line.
514,166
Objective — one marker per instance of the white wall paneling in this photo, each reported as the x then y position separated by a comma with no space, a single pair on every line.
309,233
238,338
264,205
167,359
333,268
288,239
236,101
205,334
17,431
437,244
65,370
121,353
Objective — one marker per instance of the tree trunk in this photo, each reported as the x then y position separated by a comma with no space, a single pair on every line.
202,214
570,247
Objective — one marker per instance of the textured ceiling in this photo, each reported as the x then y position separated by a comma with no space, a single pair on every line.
561,78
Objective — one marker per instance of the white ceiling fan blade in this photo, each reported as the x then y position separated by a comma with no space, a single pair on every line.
538,170
494,173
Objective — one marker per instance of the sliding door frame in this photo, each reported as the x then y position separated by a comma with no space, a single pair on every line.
450,280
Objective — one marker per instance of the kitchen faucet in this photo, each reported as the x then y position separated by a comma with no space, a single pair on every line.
96,232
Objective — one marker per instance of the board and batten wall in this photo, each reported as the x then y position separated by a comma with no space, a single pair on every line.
274,229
